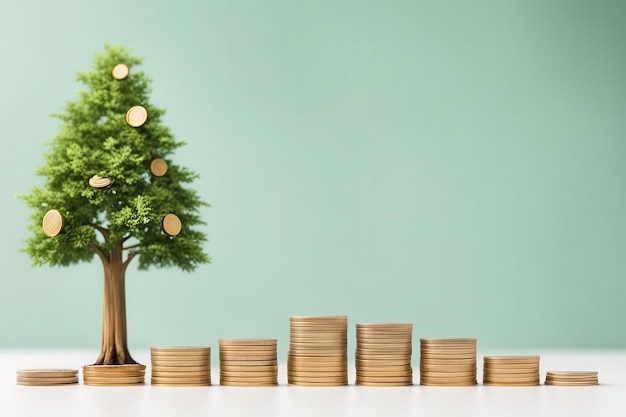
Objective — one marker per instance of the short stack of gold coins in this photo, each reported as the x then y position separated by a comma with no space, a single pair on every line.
181,366
114,375
248,362
318,351
572,378
383,354
448,362
47,377
511,370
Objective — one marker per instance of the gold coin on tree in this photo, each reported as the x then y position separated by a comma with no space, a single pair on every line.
171,224
99,182
136,116
158,167
120,71
53,223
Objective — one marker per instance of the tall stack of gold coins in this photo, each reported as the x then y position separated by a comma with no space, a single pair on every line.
318,351
511,370
181,366
47,377
448,362
248,362
383,354
114,375
572,378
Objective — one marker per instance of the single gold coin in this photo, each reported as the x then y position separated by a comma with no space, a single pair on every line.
171,224
35,383
248,384
572,374
383,384
136,116
177,374
511,359
53,223
120,71
60,379
447,341
451,384
179,384
158,167
248,342
99,182
47,373
181,349
181,380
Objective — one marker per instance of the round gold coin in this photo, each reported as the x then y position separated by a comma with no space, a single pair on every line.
383,384
120,71
451,384
171,224
182,349
182,379
136,116
511,359
47,373
35,383
128,367
511,384
176,374
179,384
158,167
99,182
181,369
572,374
248,384
248,342
53,223
447,341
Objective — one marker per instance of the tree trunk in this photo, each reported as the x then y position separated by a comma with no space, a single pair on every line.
114,339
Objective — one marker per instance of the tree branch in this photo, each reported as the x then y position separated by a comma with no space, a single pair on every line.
129,258
98,252
137,245
106,233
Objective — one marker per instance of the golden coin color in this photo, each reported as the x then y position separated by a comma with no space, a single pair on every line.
136,116
120,71
158,167
53,223
98,182
171,224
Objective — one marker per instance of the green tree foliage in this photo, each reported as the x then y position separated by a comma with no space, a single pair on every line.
95,139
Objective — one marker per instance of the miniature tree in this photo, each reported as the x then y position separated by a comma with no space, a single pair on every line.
112,192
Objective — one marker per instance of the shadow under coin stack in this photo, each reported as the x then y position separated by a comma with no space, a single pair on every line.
181,366
572,378
47,377
318,351
248,362
448,362
383,354
114,375
511,370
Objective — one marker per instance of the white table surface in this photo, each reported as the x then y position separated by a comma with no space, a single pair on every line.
606,399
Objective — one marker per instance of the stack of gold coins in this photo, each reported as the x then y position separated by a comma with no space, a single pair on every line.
248,362
511,370
448,362
318,351
46,377
181,366
572,378
114,375
383,354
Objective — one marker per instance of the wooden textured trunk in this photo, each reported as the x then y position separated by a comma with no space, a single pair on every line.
114,338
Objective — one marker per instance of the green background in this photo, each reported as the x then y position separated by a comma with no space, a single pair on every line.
455,164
